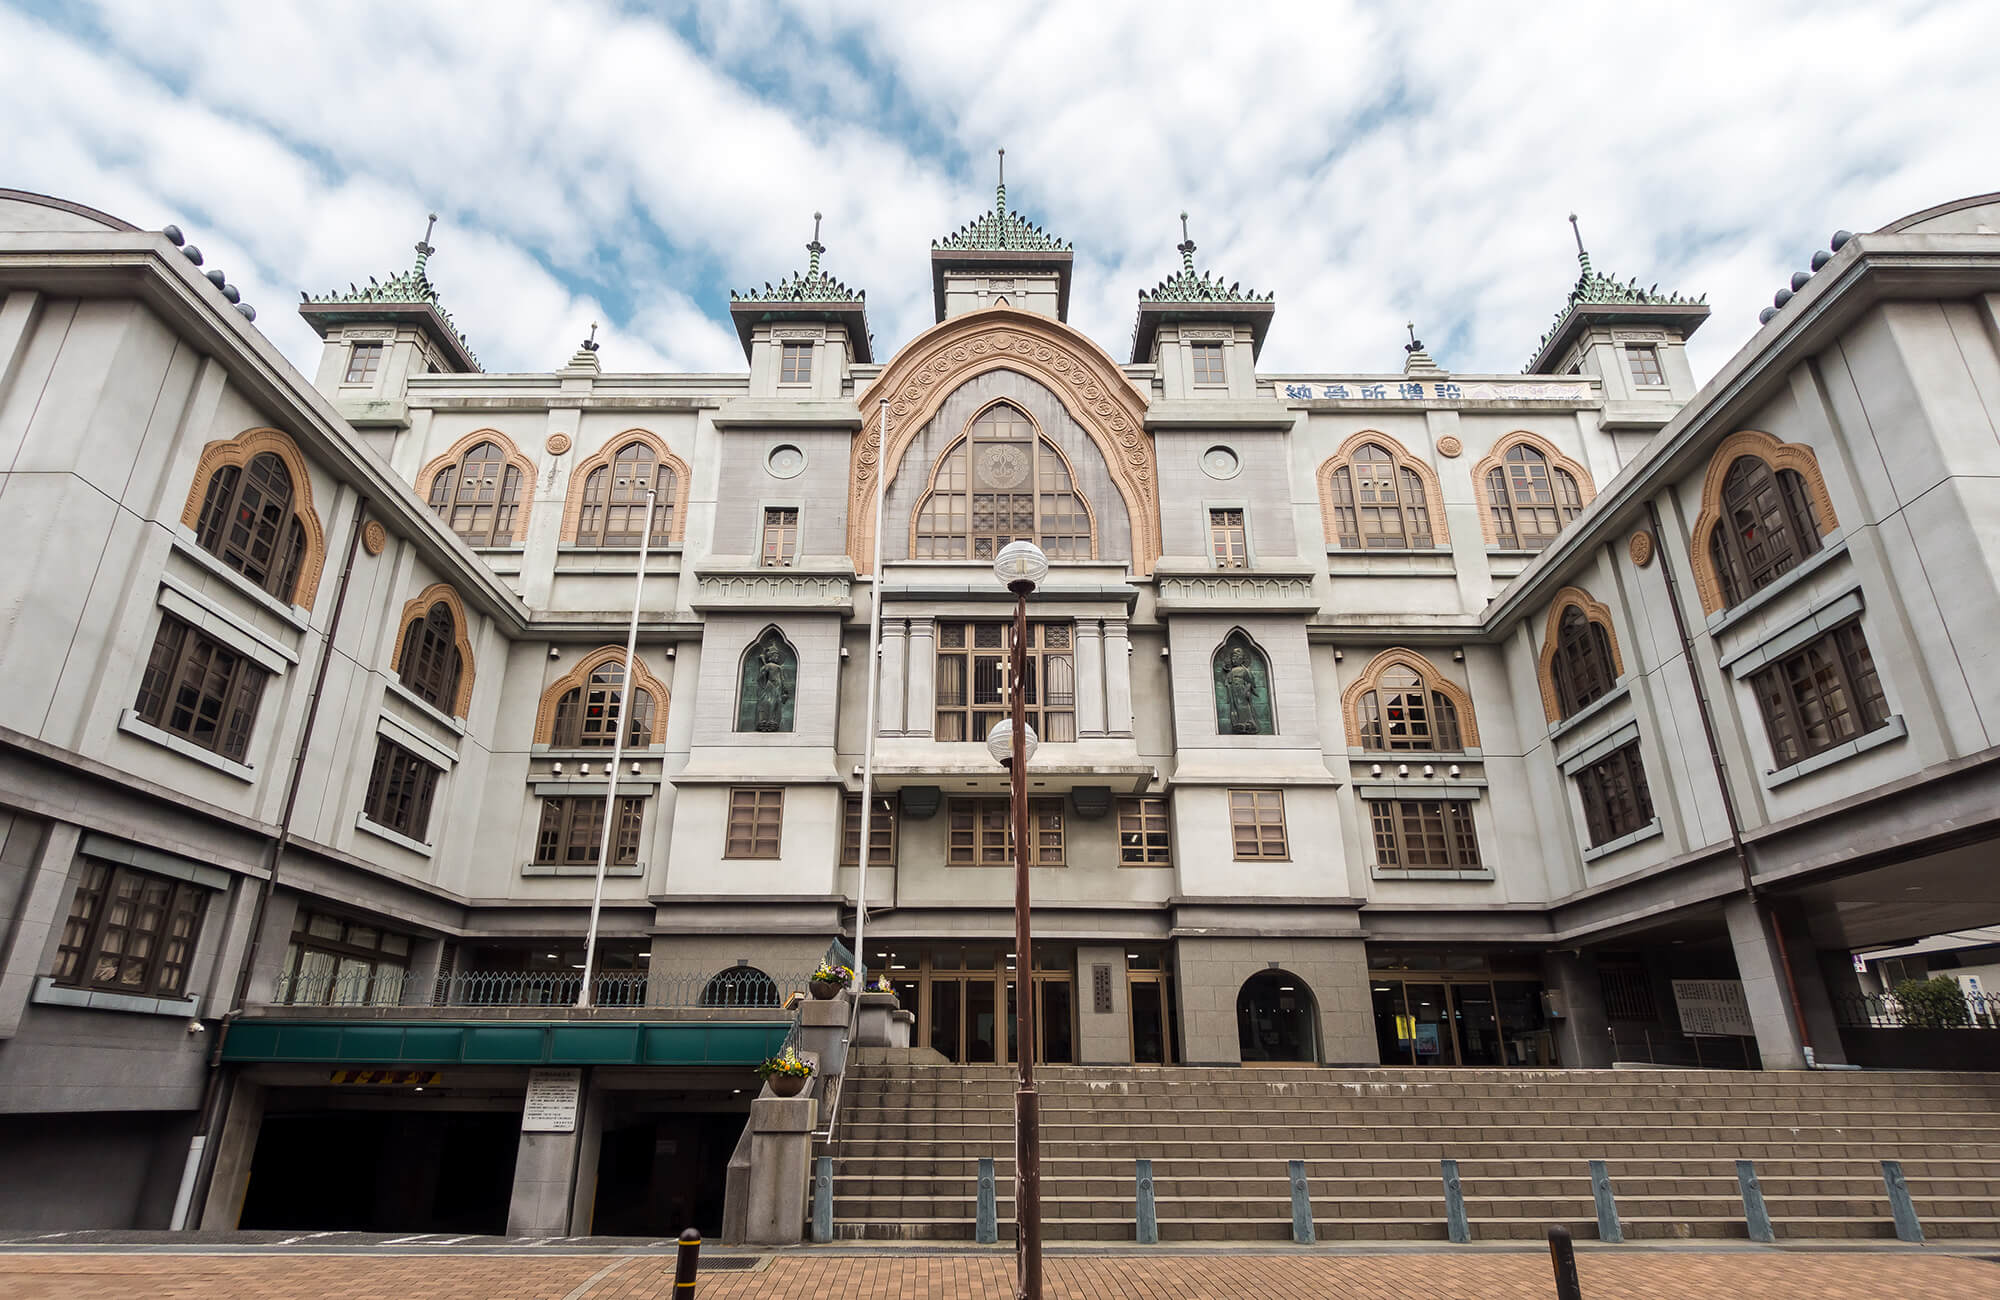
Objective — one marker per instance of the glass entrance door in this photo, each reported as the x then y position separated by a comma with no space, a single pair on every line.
1151,994
1474,1025
1456,1021
964,999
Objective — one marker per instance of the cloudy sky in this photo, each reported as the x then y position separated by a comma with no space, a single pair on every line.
1371,163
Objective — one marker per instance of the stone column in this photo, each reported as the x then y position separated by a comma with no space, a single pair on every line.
920,703
894,669
43,907
1763,985
780,1167
1581,1040
544,1172
235,1144
1117,678
1090,678
1815,995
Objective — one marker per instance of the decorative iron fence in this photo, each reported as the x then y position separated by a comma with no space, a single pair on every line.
736,988
1887,1011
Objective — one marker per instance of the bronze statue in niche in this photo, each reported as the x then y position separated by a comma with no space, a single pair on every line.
766,693
1242,689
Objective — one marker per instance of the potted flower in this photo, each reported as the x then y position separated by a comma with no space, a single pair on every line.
880,984
786,1072
829,980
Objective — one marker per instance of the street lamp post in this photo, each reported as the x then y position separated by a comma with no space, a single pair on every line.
1022,567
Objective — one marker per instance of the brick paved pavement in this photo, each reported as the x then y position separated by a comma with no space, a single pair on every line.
1471,1275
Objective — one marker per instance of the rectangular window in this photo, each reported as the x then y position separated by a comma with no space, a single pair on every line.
781,537
1615,799
1626,989
1257,824
200,690
363,361
573,826
979,833
1645,362
756,816
1821,695
399,791
1227,539
881,834
130,932
1143,839
1424,834
972,673
336,962
795,363
1207,363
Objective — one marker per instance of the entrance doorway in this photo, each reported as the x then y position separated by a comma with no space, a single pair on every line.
963,999
658,1174
382,1170
1456,1020
1277,1021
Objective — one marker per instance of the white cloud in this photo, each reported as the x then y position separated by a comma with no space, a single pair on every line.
1369,163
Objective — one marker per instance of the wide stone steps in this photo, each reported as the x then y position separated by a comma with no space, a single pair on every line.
907,1151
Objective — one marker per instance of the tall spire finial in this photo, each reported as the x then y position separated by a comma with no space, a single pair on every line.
424,249
1414,345
1582,257
1000,198
590,344
815,248
1186,247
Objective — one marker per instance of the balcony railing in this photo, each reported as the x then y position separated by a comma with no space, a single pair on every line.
736,990
1887,1011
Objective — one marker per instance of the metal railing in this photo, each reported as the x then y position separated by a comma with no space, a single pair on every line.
1887,1011
737,988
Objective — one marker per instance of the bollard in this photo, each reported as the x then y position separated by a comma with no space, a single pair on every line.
1754,1213
1459,1230
987,1231
823,1199
1302,1206
1562,1255
1608,1227
1149,1219
686,1263
1900,1205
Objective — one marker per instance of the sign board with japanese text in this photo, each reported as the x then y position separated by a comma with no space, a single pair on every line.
1713,1008
552,1101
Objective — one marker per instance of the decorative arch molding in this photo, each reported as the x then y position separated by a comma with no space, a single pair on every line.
1793,456
1585,488
239,452
642,678
414,612
573,502
1433,491
1091,387
1593,611
427,476
1371,679
1042,440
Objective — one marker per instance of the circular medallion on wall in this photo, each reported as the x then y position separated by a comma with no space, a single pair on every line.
1003,467
1640,548
1450,446
1220,462
785,461
374,537
558,443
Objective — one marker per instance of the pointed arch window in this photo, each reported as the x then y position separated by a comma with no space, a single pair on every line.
431,664
1530,498
613,510
999,483
1583,667
1378,502
248,522
1767,527
1404,710
586,715
479,496
1242,688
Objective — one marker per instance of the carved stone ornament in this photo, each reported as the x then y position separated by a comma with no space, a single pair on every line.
770,679
374,537
1640,548
1242,689
1449,445
557,444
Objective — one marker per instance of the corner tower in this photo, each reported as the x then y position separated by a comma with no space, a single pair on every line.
800,334
1204,335
1001,259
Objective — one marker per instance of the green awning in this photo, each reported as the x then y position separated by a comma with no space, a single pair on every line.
460,1042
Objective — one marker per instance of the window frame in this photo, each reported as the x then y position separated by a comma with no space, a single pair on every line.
795,362
989,836
509,488
1401,821
375,351
946,523
274,523
570,727
1650,353
1201,374
1229,540
1048,669
1778,689
379,957
236,703
430,666
1791,533
761,809
1582,669
590,825
1359,512
1440,721
401,790
1616,799
786,537
80,945
1149,818
1514,500
881,832
621,495
1248,810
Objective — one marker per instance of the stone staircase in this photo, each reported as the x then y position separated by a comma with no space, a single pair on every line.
906,1152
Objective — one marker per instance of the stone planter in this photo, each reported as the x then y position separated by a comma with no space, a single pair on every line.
824,989
788,1085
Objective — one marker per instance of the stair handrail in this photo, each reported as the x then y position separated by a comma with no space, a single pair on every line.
837,1084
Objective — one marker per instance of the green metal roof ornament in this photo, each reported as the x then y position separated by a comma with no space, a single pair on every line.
1190,287
1001,230
405,288
810,285
1594,288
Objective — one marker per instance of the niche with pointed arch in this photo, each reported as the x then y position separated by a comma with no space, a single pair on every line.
1277,1019
768,686
1242,688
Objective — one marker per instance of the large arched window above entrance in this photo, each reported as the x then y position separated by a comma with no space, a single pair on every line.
1375,494
481,488
1001,482
1276,1019
1532,492
1580,662
740,986
1401,702
251,507
1764,508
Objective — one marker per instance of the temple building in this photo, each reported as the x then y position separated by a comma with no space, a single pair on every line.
1389,717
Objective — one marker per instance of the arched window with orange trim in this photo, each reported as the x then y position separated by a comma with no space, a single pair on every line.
1767,527
430,662
479,496
1403,710
1531,500
586,714
613,507
1378,502
247,521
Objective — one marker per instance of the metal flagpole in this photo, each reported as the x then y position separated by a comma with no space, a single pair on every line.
874,691
620,713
